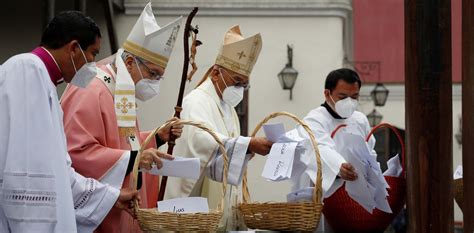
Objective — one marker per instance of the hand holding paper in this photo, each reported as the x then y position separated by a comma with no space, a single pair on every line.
369,189
360,190
260,145
179,167
347,172
152,155
284,156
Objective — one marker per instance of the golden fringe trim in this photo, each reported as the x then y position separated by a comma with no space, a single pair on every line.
146,54
126,131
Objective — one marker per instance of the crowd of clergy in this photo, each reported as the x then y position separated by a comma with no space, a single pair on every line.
65,164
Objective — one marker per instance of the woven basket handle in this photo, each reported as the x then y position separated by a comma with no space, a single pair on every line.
399,137
317,190
372,131
133,180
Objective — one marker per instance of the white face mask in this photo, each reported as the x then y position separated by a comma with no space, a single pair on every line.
231,95
85,74
145,89
345,107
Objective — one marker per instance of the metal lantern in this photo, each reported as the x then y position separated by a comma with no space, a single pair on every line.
379,94
288,75
374,118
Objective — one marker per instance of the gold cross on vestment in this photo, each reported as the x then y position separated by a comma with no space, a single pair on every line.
241,54
124,105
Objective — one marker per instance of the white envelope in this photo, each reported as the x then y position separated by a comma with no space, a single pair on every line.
305,194
382,201
274,131
184,205
377,180
178,167
360,190
279,163
369,189
394,167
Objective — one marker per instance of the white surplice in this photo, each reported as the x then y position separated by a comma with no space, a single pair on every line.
204,105
39,191
322,124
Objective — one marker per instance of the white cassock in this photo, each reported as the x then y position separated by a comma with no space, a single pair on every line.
322,124
39,191
205,106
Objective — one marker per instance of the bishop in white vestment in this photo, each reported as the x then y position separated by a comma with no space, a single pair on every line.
212,103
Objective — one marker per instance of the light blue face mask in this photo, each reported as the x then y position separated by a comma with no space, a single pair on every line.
85,74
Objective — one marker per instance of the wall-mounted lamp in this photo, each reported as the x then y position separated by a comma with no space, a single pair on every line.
288,75
379,94
374,118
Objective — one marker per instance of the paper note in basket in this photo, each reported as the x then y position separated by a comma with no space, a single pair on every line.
304,194
184,205
279,164
394,167
178,167
369,189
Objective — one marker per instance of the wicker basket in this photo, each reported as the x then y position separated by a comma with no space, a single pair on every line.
300,216
346,215
152,220
458,192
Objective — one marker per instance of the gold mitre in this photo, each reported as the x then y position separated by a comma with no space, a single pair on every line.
237,53
150,41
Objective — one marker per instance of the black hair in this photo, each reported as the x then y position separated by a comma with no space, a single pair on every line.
68,26
345,74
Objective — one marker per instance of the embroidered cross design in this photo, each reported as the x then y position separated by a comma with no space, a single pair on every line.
124,105
241,54
107,79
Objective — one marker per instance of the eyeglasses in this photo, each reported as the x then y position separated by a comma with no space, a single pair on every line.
153,74
246,86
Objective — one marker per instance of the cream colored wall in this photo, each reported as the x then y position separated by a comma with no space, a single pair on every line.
317,50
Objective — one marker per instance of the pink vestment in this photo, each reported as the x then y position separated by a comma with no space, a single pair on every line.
96,147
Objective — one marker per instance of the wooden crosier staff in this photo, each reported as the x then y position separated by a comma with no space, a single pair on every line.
188,31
